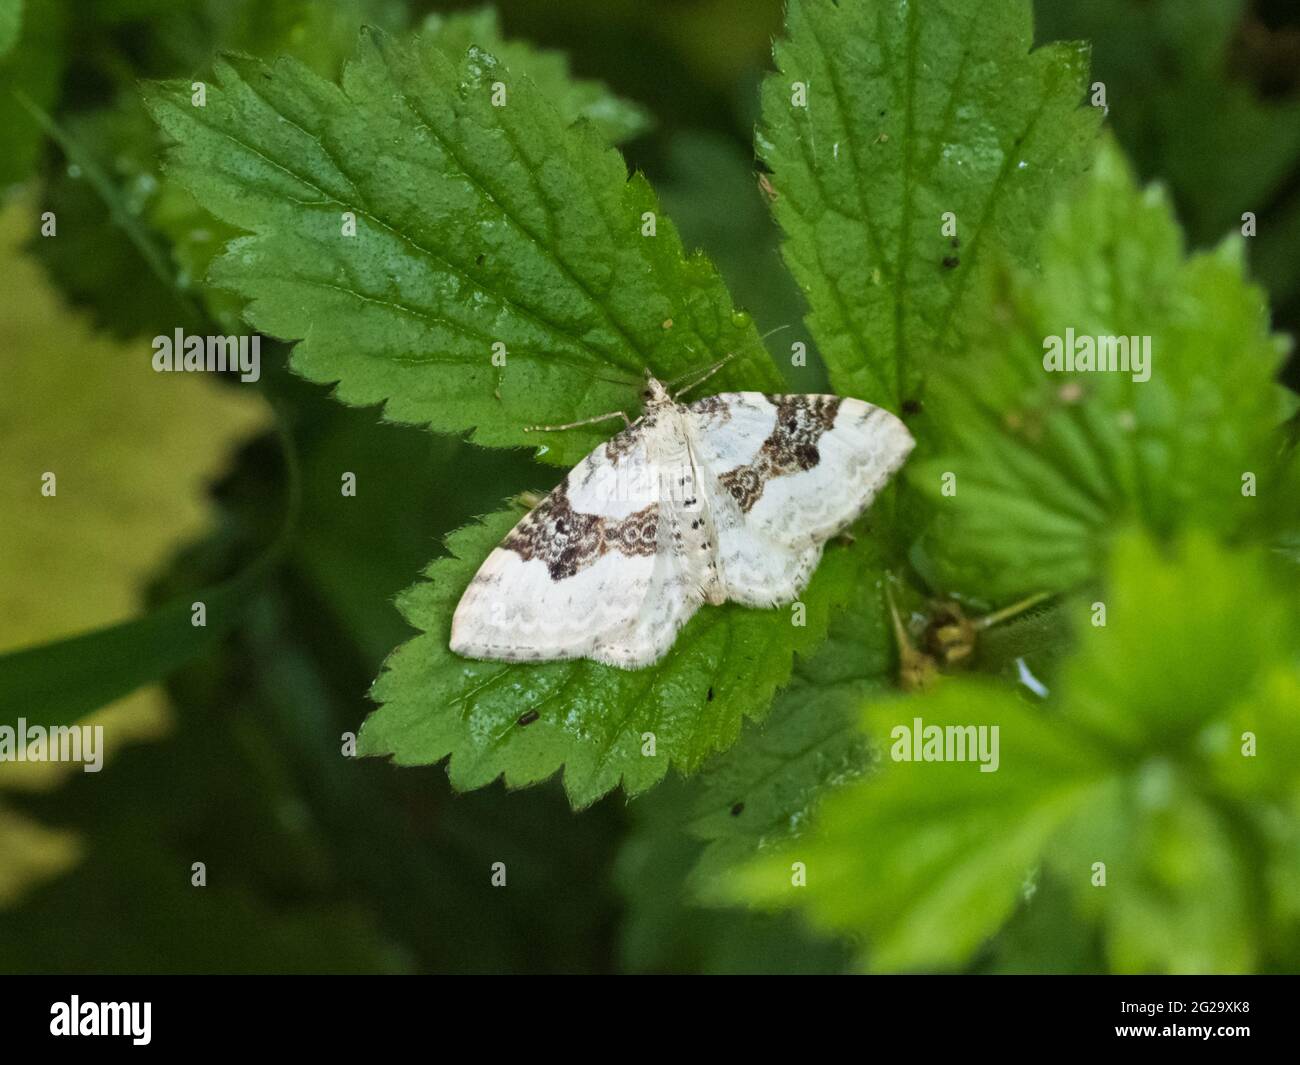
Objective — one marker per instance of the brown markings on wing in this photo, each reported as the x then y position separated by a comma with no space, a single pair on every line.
617,447
567,540
790,448
715,405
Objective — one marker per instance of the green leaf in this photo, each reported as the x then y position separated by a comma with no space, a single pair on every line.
1192,119
476,225
271,907
523,722
31,69
664,929
1228,609
108,184
322,36
1047,465
57,683
106,255
913,111
73,564
574,98
1137,761
11,21
1044,935
756,796
131,453
1197,653
1179,878
928,858
761,793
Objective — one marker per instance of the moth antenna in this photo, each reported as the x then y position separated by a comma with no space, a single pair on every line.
625,381
709,372
707,369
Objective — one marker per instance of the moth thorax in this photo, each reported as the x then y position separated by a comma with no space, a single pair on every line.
655,394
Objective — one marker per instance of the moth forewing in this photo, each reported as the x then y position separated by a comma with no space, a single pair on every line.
729,497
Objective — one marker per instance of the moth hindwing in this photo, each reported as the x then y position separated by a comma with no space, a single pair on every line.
731,497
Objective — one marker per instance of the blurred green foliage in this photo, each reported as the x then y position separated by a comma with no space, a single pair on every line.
1050,467
1136,764
319,863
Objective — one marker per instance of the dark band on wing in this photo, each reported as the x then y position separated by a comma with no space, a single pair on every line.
619,447
567,540
790,448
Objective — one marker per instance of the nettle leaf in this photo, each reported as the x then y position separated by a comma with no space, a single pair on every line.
1045,465
884,118
523,722
617,119
486,224
197,238
1139,761
761,793
111,204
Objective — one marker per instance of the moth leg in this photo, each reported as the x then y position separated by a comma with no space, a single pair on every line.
584,421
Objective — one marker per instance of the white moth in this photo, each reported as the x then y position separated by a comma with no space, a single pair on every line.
728,498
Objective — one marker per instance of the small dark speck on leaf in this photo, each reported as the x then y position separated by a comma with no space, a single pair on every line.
478,259
950,262
737,809
911,406
709,696
529,718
